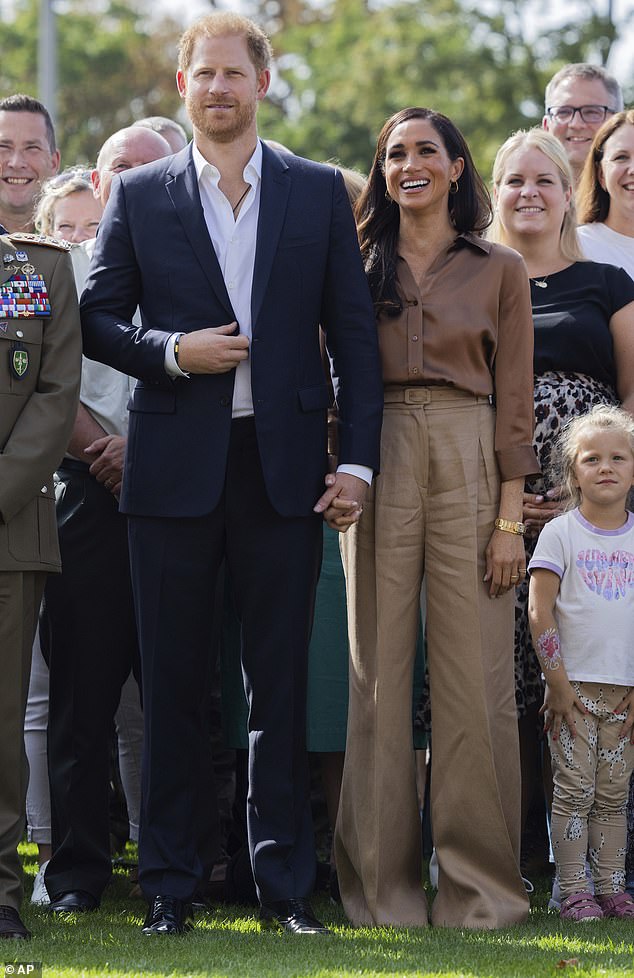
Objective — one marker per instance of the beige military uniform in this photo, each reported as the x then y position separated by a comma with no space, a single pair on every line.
40,357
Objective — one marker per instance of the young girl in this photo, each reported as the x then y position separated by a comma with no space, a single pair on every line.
581,613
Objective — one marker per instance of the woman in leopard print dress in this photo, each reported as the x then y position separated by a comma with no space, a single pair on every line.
583,314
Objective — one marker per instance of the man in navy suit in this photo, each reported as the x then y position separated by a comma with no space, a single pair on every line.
235,255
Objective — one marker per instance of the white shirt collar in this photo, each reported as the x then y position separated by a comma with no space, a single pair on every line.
252,169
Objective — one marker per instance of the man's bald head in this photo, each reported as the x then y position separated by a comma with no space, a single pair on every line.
125,150
168,128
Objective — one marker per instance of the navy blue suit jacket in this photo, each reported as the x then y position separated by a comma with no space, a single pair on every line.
153,250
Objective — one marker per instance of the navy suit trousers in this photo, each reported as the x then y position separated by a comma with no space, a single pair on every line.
274,565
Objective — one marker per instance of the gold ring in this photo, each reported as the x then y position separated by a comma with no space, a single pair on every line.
516,577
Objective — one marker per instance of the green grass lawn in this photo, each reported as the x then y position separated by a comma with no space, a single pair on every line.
228,942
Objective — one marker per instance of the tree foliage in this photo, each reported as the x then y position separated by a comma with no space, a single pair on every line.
114,66
343,66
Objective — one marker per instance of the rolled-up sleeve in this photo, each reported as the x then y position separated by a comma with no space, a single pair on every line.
513,374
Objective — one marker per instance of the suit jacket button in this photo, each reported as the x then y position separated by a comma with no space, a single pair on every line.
225,401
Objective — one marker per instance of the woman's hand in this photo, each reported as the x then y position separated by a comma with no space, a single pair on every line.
539,509
505,562
561,703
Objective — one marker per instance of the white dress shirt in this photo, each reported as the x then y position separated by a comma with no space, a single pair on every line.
234,242
105,392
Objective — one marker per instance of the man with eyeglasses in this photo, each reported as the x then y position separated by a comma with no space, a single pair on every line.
579,98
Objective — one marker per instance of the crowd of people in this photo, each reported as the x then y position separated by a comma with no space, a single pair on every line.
437,379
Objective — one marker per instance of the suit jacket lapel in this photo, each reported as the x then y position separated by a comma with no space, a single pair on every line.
182,187
276,186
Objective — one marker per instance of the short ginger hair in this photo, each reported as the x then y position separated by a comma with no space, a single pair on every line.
222,23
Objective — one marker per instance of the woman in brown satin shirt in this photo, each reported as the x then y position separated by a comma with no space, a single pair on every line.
454,322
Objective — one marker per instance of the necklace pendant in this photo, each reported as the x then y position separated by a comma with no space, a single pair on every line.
540,283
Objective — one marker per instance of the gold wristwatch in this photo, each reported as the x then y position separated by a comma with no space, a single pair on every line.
510,526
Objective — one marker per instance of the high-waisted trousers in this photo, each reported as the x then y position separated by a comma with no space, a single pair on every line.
430,513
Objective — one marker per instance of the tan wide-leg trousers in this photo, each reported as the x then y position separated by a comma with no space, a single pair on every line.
431,512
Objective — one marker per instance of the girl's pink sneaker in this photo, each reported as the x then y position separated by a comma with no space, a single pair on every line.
581,907
616,904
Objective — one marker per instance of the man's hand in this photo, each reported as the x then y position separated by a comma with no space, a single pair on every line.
215,350
108,465
342,502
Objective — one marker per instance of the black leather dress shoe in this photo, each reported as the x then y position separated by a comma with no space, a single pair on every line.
294,916
11,926
74,901
168,915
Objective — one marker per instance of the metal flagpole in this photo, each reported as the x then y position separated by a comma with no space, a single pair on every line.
47,58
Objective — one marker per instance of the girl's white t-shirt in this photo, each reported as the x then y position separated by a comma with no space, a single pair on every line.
594,610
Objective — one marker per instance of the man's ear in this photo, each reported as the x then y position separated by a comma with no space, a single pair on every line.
96,183
264,81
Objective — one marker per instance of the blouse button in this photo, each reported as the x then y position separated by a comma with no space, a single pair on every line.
414,370
414,338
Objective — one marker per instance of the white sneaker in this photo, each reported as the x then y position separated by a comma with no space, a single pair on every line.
40,895
555,898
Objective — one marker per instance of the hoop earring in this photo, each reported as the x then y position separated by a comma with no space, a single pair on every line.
453,187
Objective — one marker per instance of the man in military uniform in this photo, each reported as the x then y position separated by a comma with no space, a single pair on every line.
40,350
28,157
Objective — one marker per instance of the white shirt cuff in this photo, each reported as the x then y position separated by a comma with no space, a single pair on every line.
361,472
171,367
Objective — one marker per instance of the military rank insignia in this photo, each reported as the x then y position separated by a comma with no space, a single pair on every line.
24,295
18,361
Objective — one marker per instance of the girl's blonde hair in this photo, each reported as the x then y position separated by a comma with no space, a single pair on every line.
547,144
74,180
602,417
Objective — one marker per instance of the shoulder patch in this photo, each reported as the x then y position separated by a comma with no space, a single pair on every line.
26,237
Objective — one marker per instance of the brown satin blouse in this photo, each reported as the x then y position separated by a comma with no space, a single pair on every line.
470,326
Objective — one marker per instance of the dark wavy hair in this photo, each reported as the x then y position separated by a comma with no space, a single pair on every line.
593,202
378,217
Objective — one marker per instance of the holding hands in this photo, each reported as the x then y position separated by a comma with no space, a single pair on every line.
342,502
